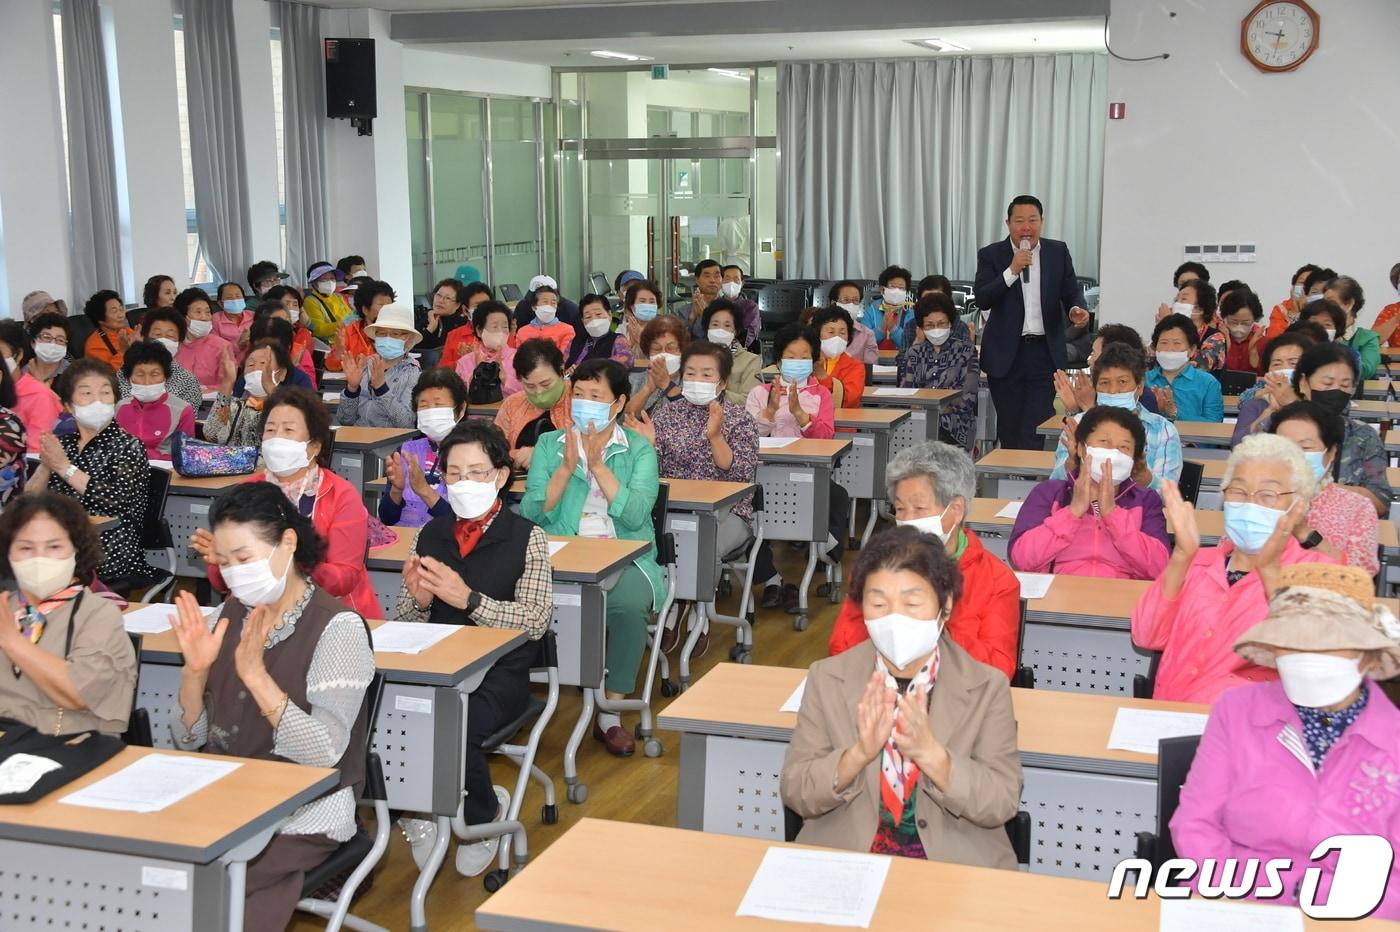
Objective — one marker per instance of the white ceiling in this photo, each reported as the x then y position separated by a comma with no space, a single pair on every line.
1061,36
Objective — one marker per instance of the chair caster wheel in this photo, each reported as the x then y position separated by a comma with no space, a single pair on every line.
745,657
651,747
495,880
549,814
834,594
578,793
737,651
669,689
723,588
800,623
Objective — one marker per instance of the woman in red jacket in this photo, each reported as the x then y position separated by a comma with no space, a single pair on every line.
932,486
296,451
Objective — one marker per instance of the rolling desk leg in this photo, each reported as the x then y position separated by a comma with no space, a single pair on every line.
870,524
577,792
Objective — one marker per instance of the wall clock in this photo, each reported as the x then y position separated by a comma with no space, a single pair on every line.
1279,35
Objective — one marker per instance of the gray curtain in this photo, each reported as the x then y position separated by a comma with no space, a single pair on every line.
92,175
216,137
304,135
913,162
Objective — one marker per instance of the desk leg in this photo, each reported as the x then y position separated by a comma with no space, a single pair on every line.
690,788
580,621
577,791
417,906
870,524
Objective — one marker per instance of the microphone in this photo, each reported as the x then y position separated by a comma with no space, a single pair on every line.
1026,272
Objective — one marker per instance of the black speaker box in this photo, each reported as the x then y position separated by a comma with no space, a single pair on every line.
349,78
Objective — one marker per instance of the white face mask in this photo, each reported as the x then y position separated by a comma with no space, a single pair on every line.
253,583
1172,360
544,313
1331,333
284,456
938,335
493,340
700,393
147,393
597,326
41,577
731,289
170,346
436,423
1119,462
11,364
50,352
673,361
326,287
94,416
253,384
894,296
1317,680
1182,308
833,347
471,499
852,308
933,524
720,337
1240,334
201,328
901,640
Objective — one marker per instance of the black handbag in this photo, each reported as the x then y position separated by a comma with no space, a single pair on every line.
74,754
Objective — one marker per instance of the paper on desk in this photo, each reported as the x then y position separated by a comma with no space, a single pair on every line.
408,637
896,392
1140,729
1218,916
209,396
20,772
330,396
773,443
827,887
1010,510
794,702
555,546
153,618
884,370
1035,585
152,783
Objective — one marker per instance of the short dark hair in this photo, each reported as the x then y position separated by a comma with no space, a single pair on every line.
261,272
266,508
347,263
724,304
704,264
1121,333
80,369
835,315
219,292
1176,322
726,268
1300,340
1241,297
16,337
267,327
1328,307
791,334
1205,296
937,283
722,357
836,287
367,292
44,321
438,377
893,272
1305,270
1128,420
1324,354
1120,356
932,302
629,294
151,292
1309,329
905,548
531,354
95,307
1349,289
318,418
1233,284
475,288
1318,276
546,288
189,296
1201,271
276,293
477,430
483,311
661,324
167,315
608,371
1023,200
70,515
592,298
1395,275
144,351
1331,428
452,283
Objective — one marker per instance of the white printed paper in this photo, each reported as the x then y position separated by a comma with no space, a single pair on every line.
826,887
884,370
557,545
152,783
154,618
794,702
774,443
330,396
1140,729
1222,916
407,637
1035,585
20,772
893,392
1010,510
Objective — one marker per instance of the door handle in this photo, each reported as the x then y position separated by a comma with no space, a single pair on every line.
675,250
651,249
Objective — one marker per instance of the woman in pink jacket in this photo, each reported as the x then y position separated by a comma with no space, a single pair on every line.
1100,521
1283,765
1207,596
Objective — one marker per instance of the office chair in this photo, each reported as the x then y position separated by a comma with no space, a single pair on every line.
1144,684
1025,673
138,724
155,538
1190,481
1174,757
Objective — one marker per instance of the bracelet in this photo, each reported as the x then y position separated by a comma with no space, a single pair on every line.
281,706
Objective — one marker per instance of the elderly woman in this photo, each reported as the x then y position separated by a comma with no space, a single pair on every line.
837,371
1208,595
34,403
1345,292
167,327
151,412
463,339
203,351
641,304
379,388
723,328
880,759
447,312
663,340
1283,765
1341,521
279,674
1279,358
545,323
931,486
937,357
416,490
598,339
49,333
236,417
1102,520
111,334
1183,391
73,666
487,367
543,403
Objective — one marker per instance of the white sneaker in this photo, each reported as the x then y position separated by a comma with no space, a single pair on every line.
420,834
474,857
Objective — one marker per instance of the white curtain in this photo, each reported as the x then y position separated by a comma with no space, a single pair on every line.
216,137
304,134
92,175
914,162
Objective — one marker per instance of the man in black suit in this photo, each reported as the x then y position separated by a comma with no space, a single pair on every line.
1027,285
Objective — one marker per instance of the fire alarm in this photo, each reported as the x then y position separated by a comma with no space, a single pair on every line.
1116,111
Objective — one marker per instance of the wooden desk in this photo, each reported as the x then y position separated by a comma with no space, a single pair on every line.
925,407
1035,465
805,451
1078,639
796,482
734,738
1200,433
357,453
104,522
484,410
185,863
1375,389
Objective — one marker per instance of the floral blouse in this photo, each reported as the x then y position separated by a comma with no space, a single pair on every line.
955,366
1211,354
683,451
13,469
1347,520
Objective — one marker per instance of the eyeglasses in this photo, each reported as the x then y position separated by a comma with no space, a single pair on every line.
1266,498
474,474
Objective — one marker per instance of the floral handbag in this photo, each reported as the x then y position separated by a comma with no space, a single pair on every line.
198,459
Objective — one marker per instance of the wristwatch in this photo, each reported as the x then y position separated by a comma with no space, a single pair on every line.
1311,541
70,472
473,602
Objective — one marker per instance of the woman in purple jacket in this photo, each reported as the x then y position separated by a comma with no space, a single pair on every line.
1099,521
416,492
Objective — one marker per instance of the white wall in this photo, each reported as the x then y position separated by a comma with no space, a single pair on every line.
1304,164
426,68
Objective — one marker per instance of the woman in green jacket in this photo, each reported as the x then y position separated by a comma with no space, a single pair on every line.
598,479
1346,293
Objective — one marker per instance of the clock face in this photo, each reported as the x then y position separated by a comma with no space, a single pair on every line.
1280,36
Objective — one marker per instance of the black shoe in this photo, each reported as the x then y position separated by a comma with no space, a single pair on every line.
772,597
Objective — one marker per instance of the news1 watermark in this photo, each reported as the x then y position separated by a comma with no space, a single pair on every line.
1359,878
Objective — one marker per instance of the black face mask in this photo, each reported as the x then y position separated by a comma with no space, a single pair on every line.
1332,400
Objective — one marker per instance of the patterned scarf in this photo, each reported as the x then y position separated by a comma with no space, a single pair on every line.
32,619
900,776
468,531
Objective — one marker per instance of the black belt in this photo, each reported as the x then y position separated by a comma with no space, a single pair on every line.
1032,338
